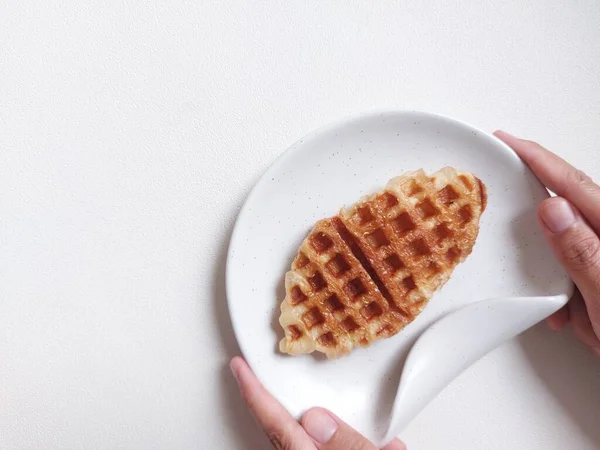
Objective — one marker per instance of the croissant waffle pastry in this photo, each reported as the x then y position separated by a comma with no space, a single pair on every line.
366,273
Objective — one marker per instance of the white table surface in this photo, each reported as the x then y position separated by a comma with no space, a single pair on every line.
130,134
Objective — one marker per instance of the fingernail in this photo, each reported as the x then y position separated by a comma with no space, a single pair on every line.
558,215
320,426
505,135
234,371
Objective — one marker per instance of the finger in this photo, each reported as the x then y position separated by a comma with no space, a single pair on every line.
578,249
329,432
582,326
396,444
558,176
281,428
559,319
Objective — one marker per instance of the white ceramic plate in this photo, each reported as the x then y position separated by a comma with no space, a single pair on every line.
335,166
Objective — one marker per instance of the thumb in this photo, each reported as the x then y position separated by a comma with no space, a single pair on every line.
577,247
329,432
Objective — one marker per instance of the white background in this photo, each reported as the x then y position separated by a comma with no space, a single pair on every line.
130,134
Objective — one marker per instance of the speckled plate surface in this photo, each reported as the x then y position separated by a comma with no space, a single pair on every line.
335,166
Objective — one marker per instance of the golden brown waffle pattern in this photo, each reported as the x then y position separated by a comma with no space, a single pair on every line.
365,274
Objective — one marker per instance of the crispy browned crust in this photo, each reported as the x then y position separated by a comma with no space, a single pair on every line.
366,273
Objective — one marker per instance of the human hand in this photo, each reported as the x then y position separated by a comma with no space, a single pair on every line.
571,223
319,429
